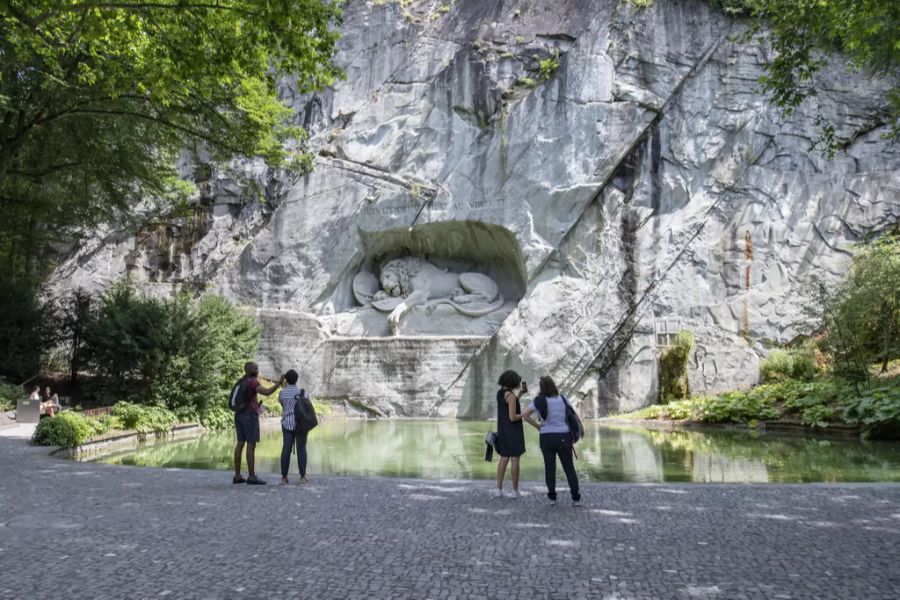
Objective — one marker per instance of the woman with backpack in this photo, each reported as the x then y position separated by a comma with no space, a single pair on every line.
510,433
293,430
557,438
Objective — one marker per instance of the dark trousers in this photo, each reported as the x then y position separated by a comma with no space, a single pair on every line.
289,439
553,445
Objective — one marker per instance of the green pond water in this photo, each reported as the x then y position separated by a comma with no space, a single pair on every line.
455,450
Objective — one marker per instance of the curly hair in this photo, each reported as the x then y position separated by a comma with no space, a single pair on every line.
509,379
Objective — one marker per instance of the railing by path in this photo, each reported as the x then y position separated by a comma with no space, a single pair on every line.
96,413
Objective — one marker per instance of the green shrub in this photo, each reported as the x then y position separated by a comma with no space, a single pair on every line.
217,417
653,411
106,423
547,68
72,429
8,396
818,402
323,409
273,406
827,391
673,375
776,367
861,315
806,362
819,415
174,353
684,409
186,414
737,407
878,408
211,417
676,411
144,419
68,429
796,363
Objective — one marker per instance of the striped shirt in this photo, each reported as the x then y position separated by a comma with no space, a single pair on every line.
286,398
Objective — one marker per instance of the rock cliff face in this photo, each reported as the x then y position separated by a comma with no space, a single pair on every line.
615,171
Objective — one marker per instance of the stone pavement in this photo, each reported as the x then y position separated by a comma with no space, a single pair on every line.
18,430
77,530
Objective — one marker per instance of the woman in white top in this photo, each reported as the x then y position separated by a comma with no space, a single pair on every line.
556,439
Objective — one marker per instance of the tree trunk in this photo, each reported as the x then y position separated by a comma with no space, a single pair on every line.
886,335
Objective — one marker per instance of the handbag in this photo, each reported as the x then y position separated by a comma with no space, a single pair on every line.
490,441
576,427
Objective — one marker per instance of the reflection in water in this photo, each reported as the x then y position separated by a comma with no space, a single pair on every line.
455,450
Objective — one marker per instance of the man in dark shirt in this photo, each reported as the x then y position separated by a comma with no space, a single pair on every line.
246,424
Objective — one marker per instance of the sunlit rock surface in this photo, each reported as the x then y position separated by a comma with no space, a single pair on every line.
638,182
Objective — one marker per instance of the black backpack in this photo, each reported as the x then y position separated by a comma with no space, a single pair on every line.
572,419
304,412
240,396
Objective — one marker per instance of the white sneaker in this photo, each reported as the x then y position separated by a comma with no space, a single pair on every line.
515,495
576,503
498,493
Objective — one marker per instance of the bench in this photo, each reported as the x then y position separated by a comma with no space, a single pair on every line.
28,411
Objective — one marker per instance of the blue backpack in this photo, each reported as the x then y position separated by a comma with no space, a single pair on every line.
572,420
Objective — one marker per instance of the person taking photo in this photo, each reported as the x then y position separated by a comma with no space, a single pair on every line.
246,423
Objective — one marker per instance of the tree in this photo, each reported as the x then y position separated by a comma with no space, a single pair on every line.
22,334
673,369
75,315
863,320
97,98
175,353
802,31
233,337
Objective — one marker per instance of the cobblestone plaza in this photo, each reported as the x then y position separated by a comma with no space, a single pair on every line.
84,530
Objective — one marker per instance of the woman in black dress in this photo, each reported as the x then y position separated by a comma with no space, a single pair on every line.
510,433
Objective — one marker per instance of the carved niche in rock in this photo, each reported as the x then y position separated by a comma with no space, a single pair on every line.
409,281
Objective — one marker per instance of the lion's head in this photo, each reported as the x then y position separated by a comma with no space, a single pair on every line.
397,275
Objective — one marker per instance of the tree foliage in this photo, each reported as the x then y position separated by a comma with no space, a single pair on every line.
26,326
68,429
798,364
673,369
173,353
97,98
801,32
863,316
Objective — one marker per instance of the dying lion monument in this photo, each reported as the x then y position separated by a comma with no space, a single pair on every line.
409,281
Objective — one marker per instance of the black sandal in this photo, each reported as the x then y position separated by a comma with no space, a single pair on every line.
238,479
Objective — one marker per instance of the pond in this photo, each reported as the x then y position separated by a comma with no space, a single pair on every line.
455,450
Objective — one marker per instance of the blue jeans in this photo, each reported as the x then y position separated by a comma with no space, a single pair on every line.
289,439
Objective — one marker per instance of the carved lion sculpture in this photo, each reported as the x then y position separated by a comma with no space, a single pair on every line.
408,281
